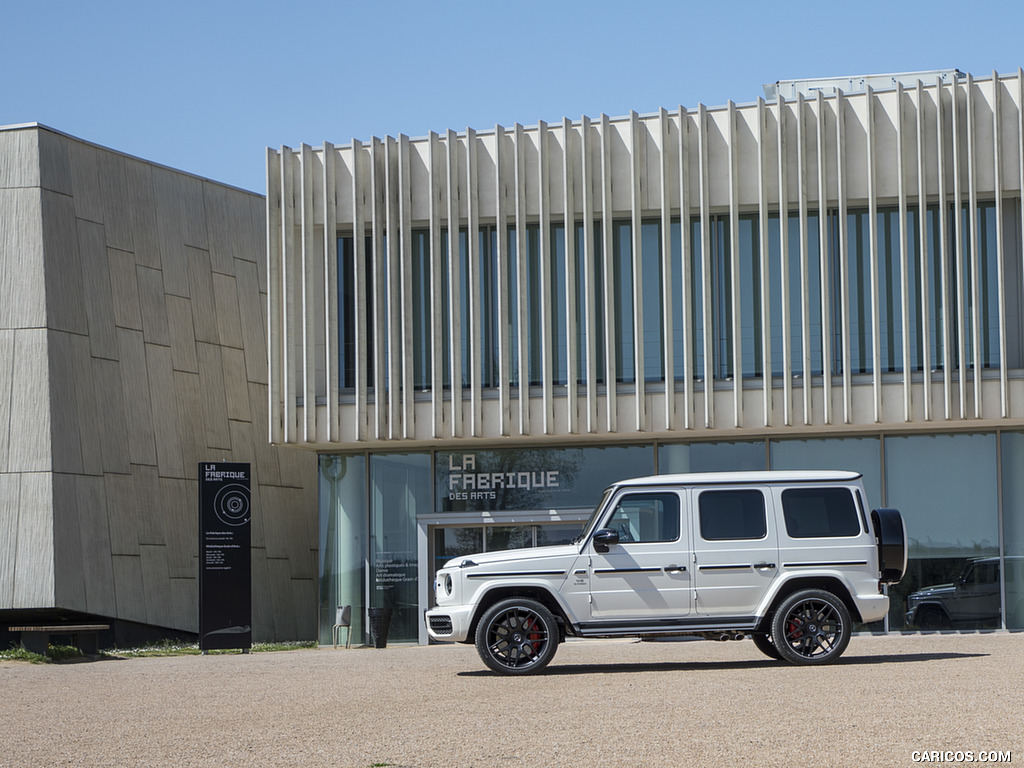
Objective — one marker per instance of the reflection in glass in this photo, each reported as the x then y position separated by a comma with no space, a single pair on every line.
456,542
460,541
749,279
557,533
422,310
1013,527
513,308
399,484
622,288
795,274
732,515
534,327
342,540
979,279
347,301
946,488
559,339
595,292
695,285
971,599
712,457
509,537
651,311
646,517
534,478
489,325
856,454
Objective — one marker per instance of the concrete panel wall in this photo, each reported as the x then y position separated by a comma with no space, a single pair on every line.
132,347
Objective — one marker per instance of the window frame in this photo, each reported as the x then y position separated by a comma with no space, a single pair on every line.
719,491
659,495
856,513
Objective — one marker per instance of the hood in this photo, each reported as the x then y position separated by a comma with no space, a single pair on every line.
937,589
517,555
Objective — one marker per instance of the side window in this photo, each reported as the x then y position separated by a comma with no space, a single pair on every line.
820,513
726,515
984,573
646,517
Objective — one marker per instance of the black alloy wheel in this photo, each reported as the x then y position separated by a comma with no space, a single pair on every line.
517,636
811,627
930,617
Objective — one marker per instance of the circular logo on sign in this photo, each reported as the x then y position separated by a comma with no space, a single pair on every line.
232,505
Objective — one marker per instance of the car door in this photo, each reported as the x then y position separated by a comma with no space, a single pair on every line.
646,573
977,595
735,549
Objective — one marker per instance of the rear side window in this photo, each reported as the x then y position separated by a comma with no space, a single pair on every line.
820,513
729,515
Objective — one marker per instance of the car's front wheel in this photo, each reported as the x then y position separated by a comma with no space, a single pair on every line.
811,626
517,636
930,617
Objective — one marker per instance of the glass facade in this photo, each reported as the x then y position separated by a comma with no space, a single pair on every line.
388,519
1012,466
712,457
343,541
947,488
857,454
399,487
868,303
533,478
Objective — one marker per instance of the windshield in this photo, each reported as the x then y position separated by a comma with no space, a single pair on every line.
592,520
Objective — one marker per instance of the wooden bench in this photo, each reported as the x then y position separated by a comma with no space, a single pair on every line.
85,637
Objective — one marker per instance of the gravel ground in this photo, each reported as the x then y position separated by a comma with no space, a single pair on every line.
600,703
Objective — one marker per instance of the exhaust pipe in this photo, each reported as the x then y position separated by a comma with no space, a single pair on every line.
723,636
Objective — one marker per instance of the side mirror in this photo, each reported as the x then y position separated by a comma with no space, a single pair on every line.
604,538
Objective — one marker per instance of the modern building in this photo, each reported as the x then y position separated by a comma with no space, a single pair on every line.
477,331
133,347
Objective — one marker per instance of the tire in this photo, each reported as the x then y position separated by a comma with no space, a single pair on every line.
930,617
766,646
811,626
891,535
517,636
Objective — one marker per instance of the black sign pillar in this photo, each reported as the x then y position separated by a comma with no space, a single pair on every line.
225,564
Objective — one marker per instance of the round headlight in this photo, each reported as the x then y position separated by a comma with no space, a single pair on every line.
448,583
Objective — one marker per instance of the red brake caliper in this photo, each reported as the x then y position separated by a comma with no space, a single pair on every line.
534,637
792,629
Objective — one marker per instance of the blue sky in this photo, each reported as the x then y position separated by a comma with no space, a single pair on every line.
206,86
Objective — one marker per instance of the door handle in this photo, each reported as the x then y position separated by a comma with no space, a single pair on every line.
761,566
675,569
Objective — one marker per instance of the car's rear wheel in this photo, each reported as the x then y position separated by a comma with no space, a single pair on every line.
765,645
811,626
517,636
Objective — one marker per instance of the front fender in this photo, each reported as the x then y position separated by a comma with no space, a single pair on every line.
546,592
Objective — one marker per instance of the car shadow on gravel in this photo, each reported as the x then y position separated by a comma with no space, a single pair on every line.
705,666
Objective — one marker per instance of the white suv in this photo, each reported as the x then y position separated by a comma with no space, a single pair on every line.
789,559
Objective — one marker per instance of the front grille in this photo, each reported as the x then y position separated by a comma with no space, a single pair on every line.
441,625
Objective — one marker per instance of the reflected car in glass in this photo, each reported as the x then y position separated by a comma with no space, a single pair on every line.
973,600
